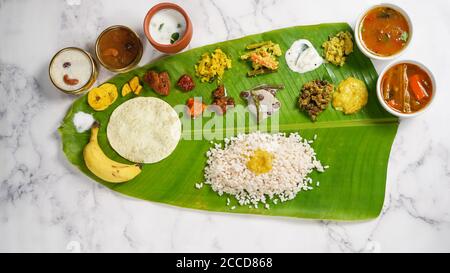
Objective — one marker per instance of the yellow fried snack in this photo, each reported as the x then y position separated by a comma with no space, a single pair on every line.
99,99
132,86
138,90
134,83
102,97
111,89
126,89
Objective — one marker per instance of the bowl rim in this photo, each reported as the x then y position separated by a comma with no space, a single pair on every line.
153,11
392,111
367,51
129,66
92,79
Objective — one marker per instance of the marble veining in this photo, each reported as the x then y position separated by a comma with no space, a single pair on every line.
47,205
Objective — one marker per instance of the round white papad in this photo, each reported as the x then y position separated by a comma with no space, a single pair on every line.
144,130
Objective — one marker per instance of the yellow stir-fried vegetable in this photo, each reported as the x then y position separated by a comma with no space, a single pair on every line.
212,65
337,48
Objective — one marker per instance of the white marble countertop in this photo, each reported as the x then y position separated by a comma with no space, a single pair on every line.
46,205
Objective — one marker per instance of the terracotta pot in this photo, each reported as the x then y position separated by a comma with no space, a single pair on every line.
179,45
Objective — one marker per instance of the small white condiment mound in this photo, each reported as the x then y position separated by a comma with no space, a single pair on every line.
294,159
78,66
302,57
144,130
82,121
165,23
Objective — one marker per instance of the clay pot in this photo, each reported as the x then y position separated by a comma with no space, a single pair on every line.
179,45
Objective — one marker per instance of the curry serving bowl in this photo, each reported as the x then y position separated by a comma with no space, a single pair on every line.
359,39
118,48
397,113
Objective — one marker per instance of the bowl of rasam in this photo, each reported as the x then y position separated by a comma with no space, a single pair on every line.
383,32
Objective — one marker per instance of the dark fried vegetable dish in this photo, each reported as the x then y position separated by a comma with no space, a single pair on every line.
315,97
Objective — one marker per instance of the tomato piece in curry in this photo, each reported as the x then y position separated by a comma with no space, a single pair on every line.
384,31
406,88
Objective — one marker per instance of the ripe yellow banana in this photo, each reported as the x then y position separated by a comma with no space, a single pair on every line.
102,166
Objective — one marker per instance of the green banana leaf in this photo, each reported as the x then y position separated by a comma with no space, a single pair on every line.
356,147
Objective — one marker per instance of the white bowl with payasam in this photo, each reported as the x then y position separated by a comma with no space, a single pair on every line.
383,32
406,88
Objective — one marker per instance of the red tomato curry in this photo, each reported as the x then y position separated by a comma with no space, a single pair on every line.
406,88
384,31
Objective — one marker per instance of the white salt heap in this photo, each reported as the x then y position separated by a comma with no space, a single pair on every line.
294,159
83,121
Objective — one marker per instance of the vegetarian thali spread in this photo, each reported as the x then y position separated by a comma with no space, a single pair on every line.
271,125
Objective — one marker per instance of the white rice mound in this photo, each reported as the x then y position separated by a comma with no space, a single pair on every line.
294,159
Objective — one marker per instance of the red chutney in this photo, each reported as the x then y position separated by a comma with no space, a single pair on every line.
406,88
384,31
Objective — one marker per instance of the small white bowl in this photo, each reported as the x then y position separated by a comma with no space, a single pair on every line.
369,53
396,113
